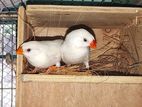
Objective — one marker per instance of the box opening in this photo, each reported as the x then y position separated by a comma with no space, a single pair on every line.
117,30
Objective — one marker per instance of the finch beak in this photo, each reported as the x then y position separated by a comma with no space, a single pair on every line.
19,51
93,44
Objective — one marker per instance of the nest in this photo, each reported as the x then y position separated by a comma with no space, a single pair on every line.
115,59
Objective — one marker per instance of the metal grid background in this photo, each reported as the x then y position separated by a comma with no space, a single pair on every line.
7,70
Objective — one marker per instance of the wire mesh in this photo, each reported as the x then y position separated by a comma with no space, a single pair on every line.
7,70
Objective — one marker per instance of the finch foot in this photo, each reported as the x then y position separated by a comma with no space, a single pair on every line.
54,69
51,69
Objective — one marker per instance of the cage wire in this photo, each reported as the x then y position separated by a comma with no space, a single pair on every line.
8,32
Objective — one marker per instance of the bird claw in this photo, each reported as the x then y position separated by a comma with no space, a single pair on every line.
54,69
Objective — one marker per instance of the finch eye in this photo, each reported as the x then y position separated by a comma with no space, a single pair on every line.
85,40
28,50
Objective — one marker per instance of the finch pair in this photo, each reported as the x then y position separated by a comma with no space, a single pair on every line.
74,49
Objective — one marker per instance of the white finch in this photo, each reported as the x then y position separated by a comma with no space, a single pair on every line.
75,48
42,54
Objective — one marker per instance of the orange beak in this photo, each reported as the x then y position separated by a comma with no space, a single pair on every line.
19,51
93,44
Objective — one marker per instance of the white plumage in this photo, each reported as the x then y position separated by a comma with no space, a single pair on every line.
42,54
75,48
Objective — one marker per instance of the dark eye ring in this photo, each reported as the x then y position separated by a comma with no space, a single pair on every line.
28,50
85,40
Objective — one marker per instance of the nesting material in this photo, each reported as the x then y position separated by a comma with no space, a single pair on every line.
112,57
114,61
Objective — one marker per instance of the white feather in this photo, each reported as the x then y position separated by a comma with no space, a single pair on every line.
43,53
74,49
